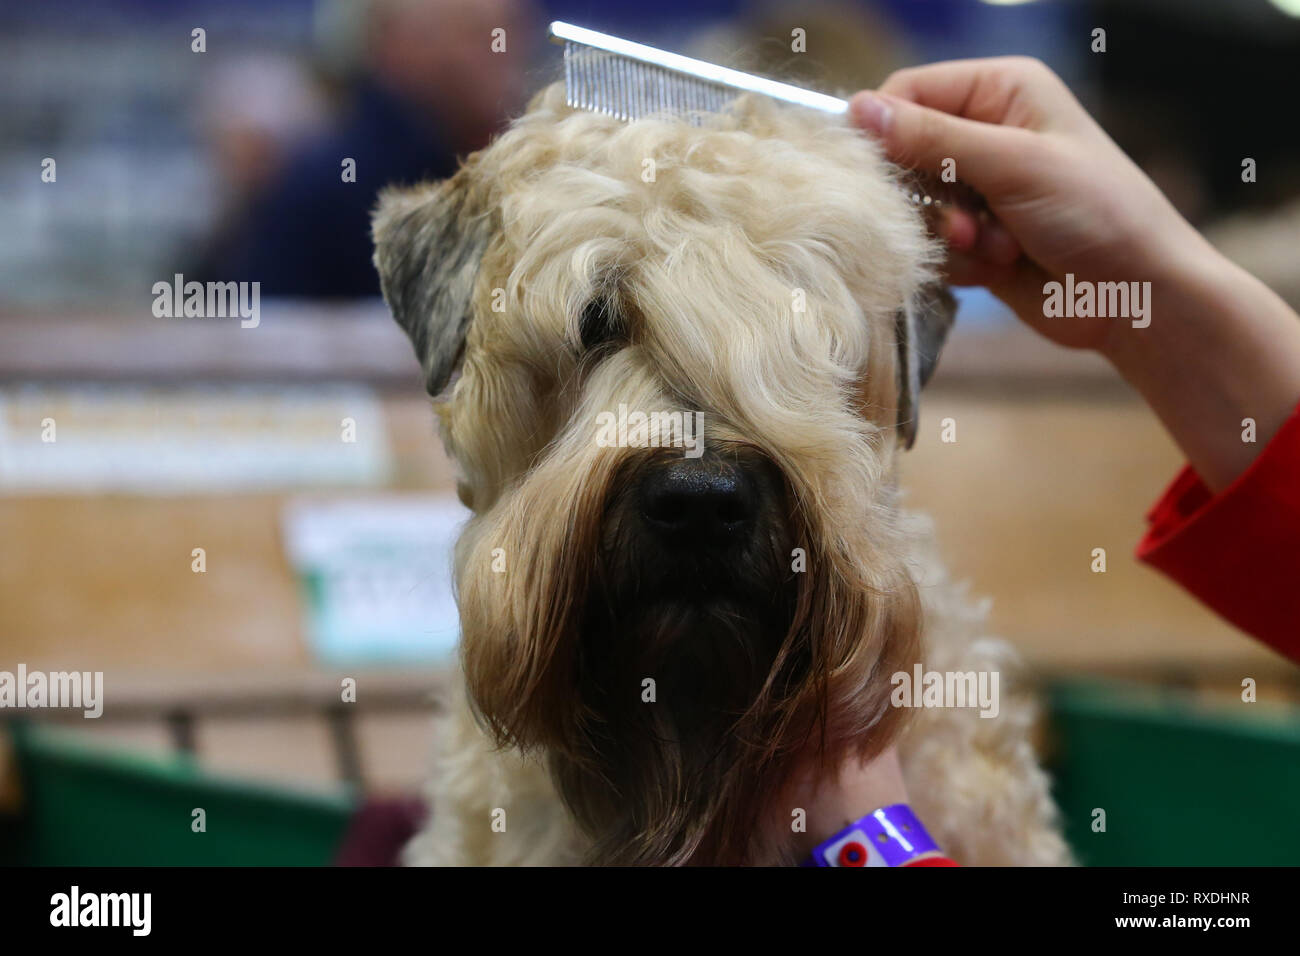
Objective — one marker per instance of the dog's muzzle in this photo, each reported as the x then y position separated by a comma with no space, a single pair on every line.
698,504
708,528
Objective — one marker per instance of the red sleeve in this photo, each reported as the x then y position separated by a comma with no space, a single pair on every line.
1238,551
933,861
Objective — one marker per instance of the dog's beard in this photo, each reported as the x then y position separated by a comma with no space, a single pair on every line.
756,668
674,653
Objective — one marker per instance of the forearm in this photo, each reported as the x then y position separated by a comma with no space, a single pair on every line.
1221,348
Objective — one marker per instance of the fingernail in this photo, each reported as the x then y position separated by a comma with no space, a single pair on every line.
872,113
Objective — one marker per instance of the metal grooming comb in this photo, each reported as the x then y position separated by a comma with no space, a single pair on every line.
607,74
610,75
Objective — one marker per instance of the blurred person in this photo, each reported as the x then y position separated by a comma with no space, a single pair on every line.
431,89
254,113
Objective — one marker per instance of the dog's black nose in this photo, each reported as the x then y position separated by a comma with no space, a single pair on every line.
691,503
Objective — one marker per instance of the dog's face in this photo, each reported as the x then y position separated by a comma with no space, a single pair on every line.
686,356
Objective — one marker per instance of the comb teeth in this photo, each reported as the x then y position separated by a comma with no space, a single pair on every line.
607,74
605,82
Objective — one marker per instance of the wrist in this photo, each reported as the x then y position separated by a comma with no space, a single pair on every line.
1221,351
1183,276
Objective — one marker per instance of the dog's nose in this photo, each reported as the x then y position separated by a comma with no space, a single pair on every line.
690,502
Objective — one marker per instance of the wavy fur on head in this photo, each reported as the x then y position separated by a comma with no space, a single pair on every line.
754,269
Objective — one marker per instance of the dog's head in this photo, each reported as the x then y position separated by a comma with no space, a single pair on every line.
677,362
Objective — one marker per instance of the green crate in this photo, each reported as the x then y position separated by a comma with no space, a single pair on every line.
1182,784
91,807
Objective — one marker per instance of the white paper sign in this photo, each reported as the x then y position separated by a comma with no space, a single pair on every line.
376,576
189,440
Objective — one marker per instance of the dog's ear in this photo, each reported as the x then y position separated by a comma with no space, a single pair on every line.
922,326
429,241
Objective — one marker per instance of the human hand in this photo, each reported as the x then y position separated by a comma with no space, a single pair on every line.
1065,198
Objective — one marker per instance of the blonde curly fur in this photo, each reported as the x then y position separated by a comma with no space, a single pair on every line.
701,239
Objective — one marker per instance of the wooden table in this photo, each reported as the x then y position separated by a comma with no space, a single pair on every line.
1054,458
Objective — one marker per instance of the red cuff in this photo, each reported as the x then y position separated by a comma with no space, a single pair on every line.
1238,551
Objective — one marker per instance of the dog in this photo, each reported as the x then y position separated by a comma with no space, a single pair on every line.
655,643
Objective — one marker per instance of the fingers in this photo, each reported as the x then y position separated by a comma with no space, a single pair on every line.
1020,287
959,229
923,138
1006,91
997,245
979,251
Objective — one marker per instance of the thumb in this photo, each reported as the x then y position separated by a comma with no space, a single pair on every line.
923,139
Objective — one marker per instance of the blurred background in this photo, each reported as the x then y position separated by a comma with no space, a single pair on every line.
246,528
